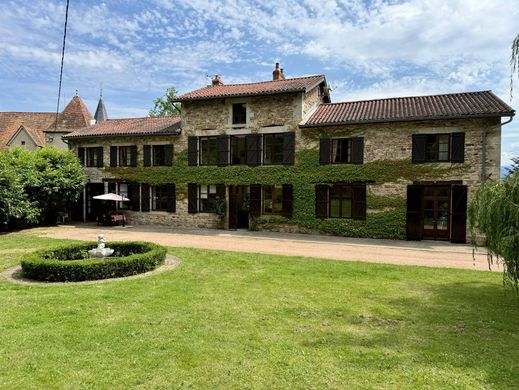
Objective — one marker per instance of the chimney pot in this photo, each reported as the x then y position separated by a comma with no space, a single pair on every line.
277,74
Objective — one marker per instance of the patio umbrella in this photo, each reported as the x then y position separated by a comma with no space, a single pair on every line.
114,197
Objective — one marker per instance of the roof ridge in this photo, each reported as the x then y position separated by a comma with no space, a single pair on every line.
267,81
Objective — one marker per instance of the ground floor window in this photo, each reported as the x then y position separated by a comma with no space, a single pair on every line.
164,198
340,200
207,198
272,199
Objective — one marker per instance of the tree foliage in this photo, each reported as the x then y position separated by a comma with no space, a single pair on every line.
514,63
494,211
515,165
165,105
35,185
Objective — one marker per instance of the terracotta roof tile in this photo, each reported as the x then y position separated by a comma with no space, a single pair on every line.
74,116
33,122
448,106
166,125
299,84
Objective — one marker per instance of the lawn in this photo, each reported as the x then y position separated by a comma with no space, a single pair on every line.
235,320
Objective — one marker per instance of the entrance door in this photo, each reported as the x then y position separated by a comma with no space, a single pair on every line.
436,212
238,210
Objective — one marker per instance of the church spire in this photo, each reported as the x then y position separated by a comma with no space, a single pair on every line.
101,114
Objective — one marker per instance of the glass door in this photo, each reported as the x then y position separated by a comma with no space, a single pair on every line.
436,213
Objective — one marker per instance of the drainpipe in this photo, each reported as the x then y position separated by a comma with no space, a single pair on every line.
484,147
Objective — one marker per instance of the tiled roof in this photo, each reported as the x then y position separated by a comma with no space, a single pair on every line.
74,116
165,125
448,106
299,84
33,122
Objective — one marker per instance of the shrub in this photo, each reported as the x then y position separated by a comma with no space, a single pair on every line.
71,263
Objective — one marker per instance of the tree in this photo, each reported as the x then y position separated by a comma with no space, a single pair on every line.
514,63
165,105
515,166
494,211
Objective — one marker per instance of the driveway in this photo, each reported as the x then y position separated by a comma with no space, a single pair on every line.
423,253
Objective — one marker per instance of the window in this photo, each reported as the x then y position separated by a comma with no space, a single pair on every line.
437,147
341,150
208,151
23,143
341,201
239,114
94,157
125,156
159,155
448,147
207,198
164,198
238,150
272,199
272,149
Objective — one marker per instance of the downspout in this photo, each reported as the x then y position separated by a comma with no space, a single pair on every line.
484,147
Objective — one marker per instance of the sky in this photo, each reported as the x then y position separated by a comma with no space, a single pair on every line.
136,49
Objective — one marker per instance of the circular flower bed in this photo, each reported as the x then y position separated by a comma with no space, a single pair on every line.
71,263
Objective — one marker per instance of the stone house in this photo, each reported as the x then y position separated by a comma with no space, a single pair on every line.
278,155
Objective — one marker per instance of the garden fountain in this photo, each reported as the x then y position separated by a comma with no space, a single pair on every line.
100,251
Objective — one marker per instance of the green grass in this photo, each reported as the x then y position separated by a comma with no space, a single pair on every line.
234,320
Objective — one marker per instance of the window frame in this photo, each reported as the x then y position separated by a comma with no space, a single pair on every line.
153,161
349,151
127,149
163,198
201,154
210,196
274,191
280,137
89,163
234,138
437,147
341,187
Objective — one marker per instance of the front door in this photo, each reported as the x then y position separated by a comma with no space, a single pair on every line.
436,212
238,209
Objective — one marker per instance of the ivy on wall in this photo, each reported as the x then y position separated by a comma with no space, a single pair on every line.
386,214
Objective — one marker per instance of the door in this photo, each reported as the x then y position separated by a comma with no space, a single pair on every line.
436,212
238,207
95,207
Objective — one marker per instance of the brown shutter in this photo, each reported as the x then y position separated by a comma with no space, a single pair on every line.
324,151
419,148
133,194
357,150
192,198
133,156
222,143
321,200
253,144
459,214
414,228
145,197
192,151
359,202
168,155
220,191
100,162
289,146
255,200
458,147
287,200
113,156
172,198
147,155
81,155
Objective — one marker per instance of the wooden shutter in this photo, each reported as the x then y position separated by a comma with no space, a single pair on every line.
168,155
419,148
220,191
255,200
147,155
133,156
359,202
172,198
459,214
414,227
458,147
192,198
81,155
133,194
222,142
100,162
113,156
145,197
324,151
357,150
287,200
253,143
289,146
192,151
321,200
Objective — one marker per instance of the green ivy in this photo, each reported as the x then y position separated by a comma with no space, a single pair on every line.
386,214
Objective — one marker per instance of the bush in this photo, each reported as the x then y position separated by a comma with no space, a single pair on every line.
71,263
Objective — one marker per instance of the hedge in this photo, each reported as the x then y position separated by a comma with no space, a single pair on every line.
71,263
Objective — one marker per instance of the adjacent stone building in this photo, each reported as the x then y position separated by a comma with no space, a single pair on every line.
278,155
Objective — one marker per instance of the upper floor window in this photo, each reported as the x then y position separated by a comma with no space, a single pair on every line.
239,114
208,151
238,150
273,149
159,155
438,147
341,150
125,156
94,157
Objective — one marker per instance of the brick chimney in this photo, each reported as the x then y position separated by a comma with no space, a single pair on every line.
217,80
277,74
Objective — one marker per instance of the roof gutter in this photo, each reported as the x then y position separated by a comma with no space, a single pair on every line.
484,137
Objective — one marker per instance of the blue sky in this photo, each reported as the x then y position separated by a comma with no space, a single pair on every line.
366,49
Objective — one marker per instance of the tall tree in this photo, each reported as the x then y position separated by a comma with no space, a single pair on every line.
514,63
165,105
